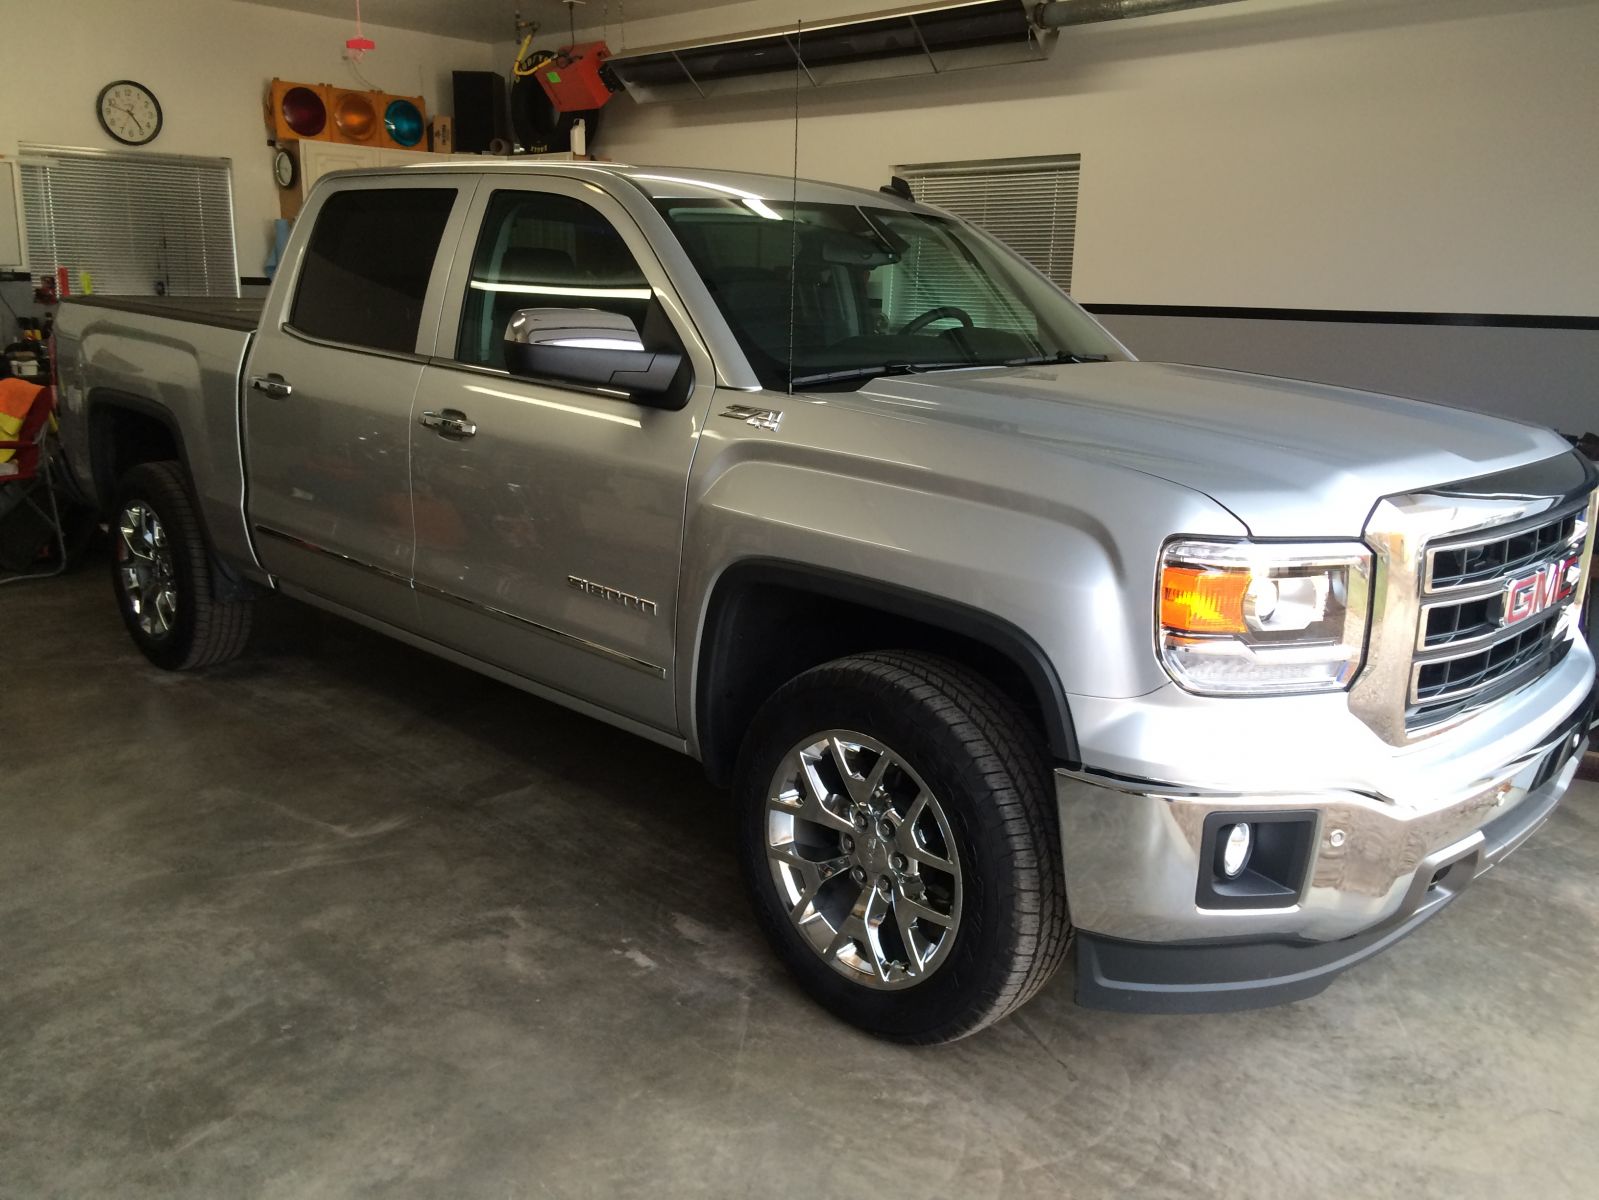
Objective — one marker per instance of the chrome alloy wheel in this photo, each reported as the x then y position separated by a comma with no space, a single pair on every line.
146,569
863,858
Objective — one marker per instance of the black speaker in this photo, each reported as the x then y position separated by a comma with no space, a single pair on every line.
480,115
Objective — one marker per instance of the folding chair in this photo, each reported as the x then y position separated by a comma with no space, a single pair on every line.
30,514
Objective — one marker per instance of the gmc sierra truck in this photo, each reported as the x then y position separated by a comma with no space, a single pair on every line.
1006,642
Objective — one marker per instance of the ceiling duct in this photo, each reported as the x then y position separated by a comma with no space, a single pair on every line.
926,39
1091,12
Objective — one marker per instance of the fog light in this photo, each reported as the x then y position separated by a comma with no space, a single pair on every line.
1235,850
1256,858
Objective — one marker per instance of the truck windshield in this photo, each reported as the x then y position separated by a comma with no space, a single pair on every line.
827,296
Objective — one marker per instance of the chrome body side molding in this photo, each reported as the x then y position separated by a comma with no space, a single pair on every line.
605,652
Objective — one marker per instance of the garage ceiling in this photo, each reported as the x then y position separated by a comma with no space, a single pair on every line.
489,20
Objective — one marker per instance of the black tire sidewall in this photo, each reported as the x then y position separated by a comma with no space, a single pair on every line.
154,487
980,959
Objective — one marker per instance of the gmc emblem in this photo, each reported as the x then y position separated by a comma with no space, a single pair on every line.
1547,586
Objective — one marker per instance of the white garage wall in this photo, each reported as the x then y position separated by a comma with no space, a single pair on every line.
209,63
1434,155
1388,156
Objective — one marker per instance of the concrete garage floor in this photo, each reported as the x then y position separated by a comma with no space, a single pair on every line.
343,920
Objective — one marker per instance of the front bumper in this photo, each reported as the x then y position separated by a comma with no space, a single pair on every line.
1378,869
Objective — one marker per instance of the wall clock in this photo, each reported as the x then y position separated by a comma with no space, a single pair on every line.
283,169
129,112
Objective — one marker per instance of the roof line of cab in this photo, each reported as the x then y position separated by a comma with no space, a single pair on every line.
763,186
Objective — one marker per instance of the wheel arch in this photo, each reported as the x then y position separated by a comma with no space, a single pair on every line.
125,430
768,620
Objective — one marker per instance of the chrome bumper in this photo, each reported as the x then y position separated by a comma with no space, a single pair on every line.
1133,863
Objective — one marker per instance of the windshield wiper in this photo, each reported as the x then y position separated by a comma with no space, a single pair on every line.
872,371
846,374
1060,356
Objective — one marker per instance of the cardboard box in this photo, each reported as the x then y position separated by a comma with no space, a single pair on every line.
441,135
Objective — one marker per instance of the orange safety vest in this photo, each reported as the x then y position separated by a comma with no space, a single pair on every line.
16,402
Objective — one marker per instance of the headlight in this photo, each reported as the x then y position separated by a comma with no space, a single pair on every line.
1263,617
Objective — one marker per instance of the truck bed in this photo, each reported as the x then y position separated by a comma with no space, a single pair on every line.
221,312
177,359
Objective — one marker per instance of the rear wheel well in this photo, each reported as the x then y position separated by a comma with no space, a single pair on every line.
127,431
124,432
769,623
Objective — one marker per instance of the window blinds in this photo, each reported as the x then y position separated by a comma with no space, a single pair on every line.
934,272
139,224
1030,204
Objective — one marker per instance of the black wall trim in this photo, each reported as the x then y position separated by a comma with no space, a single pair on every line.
1346,316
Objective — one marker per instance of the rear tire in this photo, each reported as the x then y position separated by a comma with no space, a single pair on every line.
978,862
161,573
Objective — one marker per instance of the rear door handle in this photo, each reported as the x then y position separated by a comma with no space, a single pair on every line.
448,423
272,385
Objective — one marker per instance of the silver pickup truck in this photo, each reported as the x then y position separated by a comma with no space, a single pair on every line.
1005,642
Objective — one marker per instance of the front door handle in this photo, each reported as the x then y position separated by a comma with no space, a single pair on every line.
272,385
448,423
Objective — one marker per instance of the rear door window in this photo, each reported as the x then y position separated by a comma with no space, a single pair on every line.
366,270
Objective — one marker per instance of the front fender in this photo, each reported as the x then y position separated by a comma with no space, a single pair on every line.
1064,551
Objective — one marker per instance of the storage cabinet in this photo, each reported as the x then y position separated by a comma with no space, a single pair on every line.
319,158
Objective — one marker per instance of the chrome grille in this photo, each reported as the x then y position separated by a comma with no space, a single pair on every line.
1466,655
1438,648
1471,563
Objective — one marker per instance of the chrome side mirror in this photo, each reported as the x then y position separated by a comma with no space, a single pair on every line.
591,347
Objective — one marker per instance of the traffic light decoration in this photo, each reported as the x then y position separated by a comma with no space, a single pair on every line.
318,112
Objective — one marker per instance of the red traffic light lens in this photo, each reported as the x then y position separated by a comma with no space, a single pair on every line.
304,112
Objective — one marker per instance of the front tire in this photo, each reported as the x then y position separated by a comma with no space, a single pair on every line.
899,842
161,574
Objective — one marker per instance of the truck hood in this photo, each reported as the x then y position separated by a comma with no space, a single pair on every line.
1287,457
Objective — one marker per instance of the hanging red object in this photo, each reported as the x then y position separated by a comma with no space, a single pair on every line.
360,43
573,78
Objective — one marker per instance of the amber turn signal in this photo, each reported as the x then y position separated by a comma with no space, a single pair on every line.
1195,600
